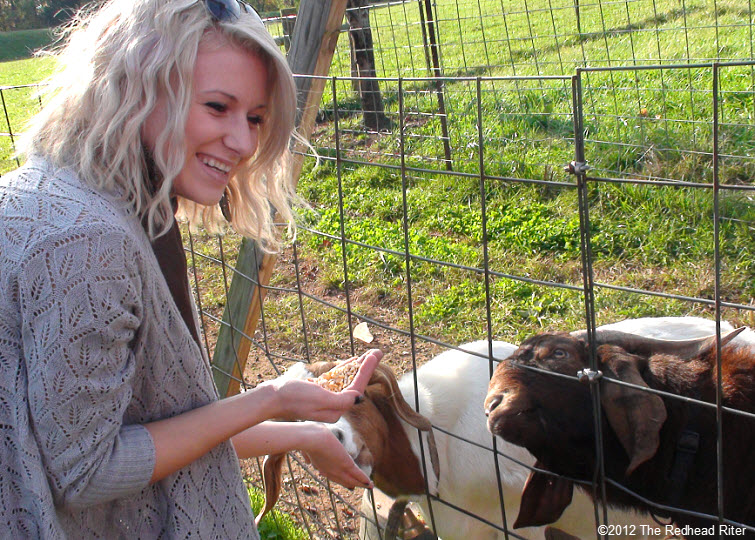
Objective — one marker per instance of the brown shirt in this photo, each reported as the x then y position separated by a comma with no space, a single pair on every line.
170,254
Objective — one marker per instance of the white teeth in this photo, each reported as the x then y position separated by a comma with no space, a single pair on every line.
215,164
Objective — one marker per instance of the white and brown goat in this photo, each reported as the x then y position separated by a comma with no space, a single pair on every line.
660,447
382,436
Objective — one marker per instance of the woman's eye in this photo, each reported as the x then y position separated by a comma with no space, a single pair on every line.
218,107
255,120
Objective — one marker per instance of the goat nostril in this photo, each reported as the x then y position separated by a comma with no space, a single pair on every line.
339,435
493,404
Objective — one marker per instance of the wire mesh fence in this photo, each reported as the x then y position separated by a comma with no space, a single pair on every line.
505,168
429,278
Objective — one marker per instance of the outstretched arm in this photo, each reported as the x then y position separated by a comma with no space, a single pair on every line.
186,437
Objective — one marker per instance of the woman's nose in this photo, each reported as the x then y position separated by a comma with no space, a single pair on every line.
242,138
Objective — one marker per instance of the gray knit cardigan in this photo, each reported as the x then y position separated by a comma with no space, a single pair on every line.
92,346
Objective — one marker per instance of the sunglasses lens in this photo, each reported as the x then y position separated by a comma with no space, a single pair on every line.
224,10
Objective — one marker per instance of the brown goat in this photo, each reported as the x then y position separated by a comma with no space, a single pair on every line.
550,412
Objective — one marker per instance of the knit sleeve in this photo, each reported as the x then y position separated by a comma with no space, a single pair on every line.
80,298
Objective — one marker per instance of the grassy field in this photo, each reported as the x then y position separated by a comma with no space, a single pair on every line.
21,44
640,125
20,100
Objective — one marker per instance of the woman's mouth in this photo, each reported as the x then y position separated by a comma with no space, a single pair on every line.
219,166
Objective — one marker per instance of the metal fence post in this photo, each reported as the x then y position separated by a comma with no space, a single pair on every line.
428,20
10,129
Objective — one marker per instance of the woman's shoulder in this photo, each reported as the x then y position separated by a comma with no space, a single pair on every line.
40,201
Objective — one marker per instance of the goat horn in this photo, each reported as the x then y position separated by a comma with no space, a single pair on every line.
633,343
409,415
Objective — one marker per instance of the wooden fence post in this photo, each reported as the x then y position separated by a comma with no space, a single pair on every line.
363,58
318,26
288,23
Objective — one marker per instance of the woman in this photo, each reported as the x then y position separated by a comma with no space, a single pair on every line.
110,421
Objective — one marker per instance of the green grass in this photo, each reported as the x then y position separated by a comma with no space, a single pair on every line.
658,239
275,525
645,125
22,44
639,125
25,71
20,103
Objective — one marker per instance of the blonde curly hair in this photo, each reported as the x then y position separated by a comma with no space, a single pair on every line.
116,61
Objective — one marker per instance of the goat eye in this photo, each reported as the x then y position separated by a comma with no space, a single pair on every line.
559,353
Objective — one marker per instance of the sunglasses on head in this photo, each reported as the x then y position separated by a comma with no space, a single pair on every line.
229,10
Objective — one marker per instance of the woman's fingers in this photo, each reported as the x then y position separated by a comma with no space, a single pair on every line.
355,477
330,457
307,400
368,362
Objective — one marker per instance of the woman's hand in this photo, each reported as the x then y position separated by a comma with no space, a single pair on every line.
304,400
328,455
181,439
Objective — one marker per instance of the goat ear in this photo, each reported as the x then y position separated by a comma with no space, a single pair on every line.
544,498
385,377
272,470
636,416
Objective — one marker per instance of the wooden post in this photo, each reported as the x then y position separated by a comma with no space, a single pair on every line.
288,23
363,58
318,25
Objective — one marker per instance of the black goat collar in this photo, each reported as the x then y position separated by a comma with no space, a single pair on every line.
684,457
686,449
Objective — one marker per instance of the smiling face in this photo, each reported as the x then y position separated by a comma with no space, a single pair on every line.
228,106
